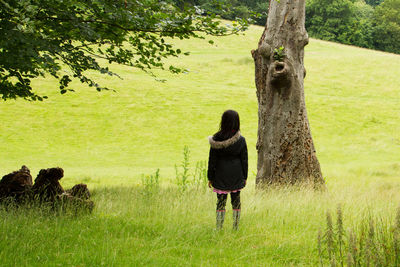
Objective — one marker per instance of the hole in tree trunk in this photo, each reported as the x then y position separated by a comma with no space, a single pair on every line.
279,67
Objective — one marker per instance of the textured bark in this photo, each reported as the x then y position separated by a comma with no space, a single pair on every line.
286,152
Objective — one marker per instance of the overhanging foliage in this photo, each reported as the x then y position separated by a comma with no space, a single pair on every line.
41,36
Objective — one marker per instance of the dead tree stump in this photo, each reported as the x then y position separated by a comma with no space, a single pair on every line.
16,185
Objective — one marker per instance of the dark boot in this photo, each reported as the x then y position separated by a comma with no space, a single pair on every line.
220,219
236,218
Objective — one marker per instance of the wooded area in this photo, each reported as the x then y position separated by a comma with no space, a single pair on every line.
373,24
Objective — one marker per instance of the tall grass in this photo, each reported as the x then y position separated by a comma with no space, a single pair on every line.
373,242
170,227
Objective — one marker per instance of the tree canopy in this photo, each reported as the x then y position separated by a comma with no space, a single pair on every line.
328,19
255,10
373,2
67,38
387,26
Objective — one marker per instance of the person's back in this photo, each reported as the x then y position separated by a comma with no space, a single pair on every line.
227,165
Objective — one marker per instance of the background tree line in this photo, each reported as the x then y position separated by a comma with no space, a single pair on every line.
373,24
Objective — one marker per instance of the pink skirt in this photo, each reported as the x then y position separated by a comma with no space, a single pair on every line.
225,191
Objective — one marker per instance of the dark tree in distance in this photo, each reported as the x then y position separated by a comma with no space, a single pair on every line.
38,37
255,10
387,26
286,153
329,20
373,2
360,31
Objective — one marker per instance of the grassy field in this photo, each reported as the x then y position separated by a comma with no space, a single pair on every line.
109,139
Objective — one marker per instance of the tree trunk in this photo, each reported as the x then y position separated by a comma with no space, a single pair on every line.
286,153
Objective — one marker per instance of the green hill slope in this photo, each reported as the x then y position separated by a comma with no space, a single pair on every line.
352,97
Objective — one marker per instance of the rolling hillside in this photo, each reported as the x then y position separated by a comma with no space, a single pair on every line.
352,97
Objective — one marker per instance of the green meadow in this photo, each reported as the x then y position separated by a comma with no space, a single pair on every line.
112,140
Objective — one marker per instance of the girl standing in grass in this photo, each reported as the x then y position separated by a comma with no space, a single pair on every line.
227,165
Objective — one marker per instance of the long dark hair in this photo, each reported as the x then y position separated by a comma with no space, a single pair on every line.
230,125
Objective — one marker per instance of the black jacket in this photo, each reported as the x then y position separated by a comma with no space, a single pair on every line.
227,163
